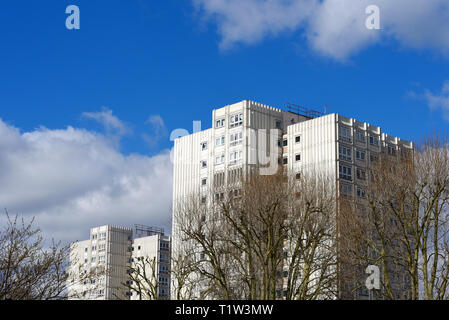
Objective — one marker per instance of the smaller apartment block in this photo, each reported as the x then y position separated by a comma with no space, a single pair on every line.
117,250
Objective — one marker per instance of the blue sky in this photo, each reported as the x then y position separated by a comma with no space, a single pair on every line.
153,66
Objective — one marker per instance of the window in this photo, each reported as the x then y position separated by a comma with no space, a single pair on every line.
163,292
361,174
219,196
203,199
163,281
285,142
360,136
345,173
346,189
220,123
92,260
278,124
103,236
285,161
203,164
203,181
101,259
235,175
297,139
360,193
235,157
235,138
85,260
298,176
236,120
101,293
102,247
94,237
298,157
374,141
360,155
163,269
164,257
220,141
345,134
220,159
203,145
94,248
345,153
391,150
219,178
363,292
85,249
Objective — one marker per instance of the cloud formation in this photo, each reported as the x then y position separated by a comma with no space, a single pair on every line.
73,179
159,131
249,21
332,28
111,123
439,100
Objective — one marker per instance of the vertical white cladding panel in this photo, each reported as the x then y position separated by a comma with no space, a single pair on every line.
187,162
317,146
261,117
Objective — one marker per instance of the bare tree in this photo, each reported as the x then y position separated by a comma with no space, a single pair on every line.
28,269
143,280
403,225
312,239
183,265
261,237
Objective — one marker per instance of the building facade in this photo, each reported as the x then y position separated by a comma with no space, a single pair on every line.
249,134
101,266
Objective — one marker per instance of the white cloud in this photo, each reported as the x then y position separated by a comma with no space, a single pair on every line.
109,121
440,100
74,179
248,21
333,28
159,130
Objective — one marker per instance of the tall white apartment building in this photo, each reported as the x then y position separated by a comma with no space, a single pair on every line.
306,140
108,256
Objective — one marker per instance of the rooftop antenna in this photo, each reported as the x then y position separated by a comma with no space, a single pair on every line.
146,231
303,111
